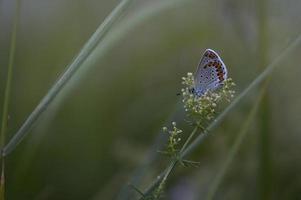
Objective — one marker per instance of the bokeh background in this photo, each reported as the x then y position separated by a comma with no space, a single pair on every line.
104,128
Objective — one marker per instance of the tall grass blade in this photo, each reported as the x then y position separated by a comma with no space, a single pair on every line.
66,76
7,89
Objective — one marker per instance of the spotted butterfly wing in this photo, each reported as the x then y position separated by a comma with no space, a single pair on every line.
211,72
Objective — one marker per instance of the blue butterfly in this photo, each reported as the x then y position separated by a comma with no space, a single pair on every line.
210,74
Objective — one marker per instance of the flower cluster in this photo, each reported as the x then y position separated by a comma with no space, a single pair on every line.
204,106
227,92
173,139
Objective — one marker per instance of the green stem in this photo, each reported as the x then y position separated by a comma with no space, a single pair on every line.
169,170
163,176
190,137
174,162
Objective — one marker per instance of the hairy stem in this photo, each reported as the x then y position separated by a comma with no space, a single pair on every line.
163,177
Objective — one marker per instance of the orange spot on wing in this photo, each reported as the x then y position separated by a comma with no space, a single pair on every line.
212,55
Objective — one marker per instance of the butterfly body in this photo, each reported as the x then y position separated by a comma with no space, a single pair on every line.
210,74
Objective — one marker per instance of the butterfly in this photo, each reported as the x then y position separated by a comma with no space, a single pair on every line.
210,74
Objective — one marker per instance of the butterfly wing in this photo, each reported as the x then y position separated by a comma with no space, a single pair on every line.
211,72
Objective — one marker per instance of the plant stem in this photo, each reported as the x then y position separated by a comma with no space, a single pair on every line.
163,176
174,162
67,75
190,137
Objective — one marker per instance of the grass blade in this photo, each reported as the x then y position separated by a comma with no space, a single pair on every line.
9,75
66,76
7,89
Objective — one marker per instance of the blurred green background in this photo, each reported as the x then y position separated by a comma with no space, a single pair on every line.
104,127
